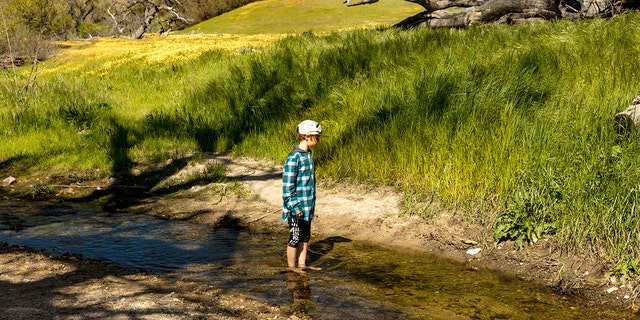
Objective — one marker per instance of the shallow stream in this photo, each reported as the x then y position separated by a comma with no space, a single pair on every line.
357,281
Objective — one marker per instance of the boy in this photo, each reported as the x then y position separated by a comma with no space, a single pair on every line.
299,193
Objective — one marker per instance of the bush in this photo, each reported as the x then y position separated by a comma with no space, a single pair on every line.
88,30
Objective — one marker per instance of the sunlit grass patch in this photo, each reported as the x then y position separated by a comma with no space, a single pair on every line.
319,16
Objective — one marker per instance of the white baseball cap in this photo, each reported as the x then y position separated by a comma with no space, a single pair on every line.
309,127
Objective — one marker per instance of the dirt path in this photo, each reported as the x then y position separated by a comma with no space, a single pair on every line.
35,285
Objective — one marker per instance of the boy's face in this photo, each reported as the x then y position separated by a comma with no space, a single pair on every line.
312,140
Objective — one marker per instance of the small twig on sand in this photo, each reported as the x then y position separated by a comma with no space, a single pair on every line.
95,187
260,218
74,186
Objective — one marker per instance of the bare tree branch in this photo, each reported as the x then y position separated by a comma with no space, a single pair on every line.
138,16
359,2
175,14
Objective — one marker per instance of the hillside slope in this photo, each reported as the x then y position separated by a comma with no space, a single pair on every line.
304,15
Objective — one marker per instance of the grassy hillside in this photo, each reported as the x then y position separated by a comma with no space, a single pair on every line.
506,125
297,16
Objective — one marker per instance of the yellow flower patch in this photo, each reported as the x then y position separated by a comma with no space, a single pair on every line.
100,55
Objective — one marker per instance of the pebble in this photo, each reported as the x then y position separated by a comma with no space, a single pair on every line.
474,251
8,181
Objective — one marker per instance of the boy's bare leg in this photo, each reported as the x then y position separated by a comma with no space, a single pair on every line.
302,255
292,256
302,258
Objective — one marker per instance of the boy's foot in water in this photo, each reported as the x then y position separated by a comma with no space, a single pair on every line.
310,268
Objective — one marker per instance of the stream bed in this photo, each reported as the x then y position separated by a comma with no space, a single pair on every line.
357,280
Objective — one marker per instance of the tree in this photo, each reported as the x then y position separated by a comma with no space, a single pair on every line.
88,18
463,13
45,17
28,25
136,16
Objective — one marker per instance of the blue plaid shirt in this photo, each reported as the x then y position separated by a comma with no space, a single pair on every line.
299,185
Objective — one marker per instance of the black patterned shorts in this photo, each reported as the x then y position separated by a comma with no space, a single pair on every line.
299,231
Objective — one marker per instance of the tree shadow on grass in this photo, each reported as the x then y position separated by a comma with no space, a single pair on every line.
129,188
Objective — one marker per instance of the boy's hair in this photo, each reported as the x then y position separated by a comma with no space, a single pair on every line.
302,137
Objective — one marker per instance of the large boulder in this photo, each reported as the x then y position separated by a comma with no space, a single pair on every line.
630,117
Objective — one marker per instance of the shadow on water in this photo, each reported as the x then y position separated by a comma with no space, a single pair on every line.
132,241
320,249
85,234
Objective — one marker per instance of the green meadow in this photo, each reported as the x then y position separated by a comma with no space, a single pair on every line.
508,126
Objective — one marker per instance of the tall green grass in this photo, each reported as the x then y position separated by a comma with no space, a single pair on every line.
508,124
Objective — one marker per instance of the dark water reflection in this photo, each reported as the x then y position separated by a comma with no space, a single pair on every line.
357,280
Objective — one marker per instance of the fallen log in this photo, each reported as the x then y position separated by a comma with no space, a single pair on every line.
464,13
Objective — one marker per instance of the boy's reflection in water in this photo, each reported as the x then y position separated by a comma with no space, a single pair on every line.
298,286
298,279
